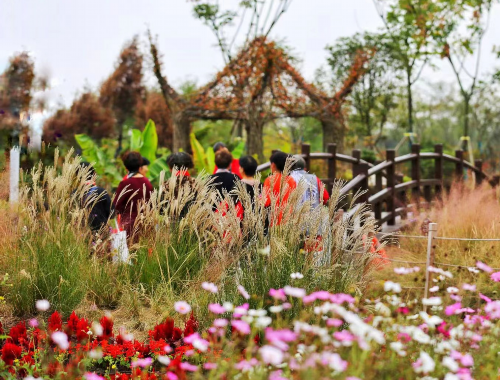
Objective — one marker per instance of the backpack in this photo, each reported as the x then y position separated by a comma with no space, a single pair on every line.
312,191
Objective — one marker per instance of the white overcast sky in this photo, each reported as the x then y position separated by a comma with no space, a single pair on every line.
78,41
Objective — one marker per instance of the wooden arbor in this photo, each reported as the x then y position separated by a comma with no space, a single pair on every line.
259,85
397,195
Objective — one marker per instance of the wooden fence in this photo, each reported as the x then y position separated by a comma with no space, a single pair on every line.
395,194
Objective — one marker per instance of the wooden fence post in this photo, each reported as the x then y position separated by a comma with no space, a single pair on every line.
479,176
391,183
415,175
306,150
430,258
438,169
14,167
356,154
459,166
332,166
377,207
363,168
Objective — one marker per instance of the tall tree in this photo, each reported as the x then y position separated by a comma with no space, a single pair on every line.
123,89
86,115
372,96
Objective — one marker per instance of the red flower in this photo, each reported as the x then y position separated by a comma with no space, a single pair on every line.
82,328
107,328
55,322
18,333
164,330
10,352
73,322
191,325
1,329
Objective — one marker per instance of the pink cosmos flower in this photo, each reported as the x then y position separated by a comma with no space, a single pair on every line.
185,366
246,365
143,363
220,322
182,307
471,288
344,336
209,366
278,294
276,375
334,322
452,309
340,298
243,292
33,323
484,267
495,276
92,376
271,355
191,338
241,326
216,308
322,295
172,376
284,335
287,305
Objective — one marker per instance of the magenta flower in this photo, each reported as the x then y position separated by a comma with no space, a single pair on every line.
34,323
92,376
209,366
246,365
278,294
495,276
143,363
185,366
241,326
484,298
344,336
216,308
471,288
172,376
284,335
452,309
334,322
484,267
341,298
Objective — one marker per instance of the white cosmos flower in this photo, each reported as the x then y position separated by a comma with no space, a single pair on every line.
209,287
434,289
42,305
450,363
262,322
165,360
95,354
182,307
297,276
390,286
452,290
271,355
473,270
451,376
97,329
228,306
294,292
398,347
276,309
431,320
243,292
432,301
257,313
424,364
61,339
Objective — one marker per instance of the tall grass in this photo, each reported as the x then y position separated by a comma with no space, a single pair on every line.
55,256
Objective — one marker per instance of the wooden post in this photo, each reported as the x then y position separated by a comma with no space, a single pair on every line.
438,168
14,167
428,195
306,150
459,166
415,175
377,207
356,154
391,183
479,176
430,258
332,166
364,184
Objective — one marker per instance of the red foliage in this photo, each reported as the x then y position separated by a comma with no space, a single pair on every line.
55,322
191,325
18,333
72,323
10,352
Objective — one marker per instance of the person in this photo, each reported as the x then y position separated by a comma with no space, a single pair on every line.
224,180
275,184
248,169
143,169
180,163
96,200
135,189
315,189
235,164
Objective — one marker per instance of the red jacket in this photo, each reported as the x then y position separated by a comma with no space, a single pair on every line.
235,168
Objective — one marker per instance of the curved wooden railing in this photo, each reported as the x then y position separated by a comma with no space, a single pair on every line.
395,193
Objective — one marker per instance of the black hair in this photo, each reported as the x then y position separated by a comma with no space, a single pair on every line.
223,159
180,160
218,145
86,168
145,162
279,159
132,161
249,165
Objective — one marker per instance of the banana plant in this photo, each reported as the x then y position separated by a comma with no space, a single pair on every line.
204,159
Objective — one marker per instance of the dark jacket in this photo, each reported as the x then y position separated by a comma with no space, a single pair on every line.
182,182
100,202
225,181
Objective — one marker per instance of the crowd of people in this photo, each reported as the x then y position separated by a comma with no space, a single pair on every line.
229,172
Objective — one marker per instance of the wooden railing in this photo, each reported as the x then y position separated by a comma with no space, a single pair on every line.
396,194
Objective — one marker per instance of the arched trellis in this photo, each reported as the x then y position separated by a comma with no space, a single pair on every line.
256,87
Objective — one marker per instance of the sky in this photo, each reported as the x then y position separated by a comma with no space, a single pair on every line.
77,42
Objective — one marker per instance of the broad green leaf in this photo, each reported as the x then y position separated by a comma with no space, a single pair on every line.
198,153
210,157
156,167
89,149
149,141
135,139
238,151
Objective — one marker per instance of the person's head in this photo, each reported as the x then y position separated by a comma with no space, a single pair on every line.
223,159
133,161
180,160
86,169
248,167
219,146
278,161
144,168
299,163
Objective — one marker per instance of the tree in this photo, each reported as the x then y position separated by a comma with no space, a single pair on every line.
123,89
154,108
86,116
16,90
372,96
